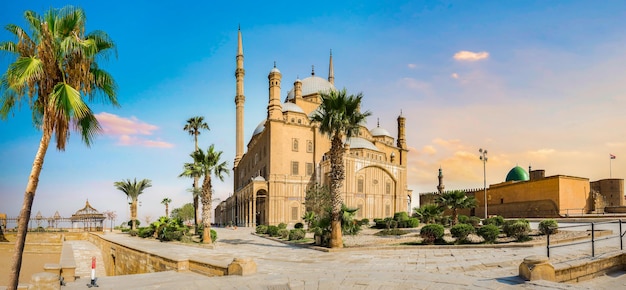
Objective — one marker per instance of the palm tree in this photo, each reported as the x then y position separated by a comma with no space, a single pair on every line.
456,199
206,164
55,73
193,127
428,213
133,189
166,201
338,116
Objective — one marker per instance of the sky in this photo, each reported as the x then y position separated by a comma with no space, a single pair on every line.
536,83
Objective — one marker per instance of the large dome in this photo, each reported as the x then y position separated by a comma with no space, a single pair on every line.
311,85
357,142
378,131
517,174
291,107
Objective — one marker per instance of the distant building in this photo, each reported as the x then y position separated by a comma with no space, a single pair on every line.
537,195
286,155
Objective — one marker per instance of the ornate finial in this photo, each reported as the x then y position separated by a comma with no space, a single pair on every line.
331,52
377,122
239,26
274,64
312,70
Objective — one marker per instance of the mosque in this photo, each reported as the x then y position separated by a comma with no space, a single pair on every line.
287,154
537,195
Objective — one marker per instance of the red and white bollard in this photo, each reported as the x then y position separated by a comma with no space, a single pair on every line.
93,273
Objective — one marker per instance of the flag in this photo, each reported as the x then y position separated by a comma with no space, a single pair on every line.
612,156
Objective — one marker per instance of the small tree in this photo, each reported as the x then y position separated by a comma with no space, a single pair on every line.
461,231
431,233
489,233
428,213
456,200
185,213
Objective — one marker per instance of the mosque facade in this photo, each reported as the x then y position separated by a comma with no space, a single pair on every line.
287,155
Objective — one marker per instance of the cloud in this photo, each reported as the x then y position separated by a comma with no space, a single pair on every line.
411,65
454,75
429,149
127,131
465,55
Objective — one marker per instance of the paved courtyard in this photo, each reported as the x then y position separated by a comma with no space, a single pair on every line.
282,266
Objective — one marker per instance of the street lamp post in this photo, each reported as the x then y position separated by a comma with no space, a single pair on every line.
483,157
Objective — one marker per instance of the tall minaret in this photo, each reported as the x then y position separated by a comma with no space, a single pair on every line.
274,107
331,70
401,134
440,187
240,99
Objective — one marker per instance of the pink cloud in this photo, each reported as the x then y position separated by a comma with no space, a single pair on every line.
127,131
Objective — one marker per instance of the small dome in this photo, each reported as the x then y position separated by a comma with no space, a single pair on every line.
517,174
357,142
378,131
258,178
259,128
311,85
291,107
274,70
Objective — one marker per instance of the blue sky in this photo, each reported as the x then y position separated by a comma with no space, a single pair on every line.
534,82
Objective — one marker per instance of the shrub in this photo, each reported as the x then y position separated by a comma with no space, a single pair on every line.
548,226
172,236
132,233
401,216
463,219
296,234
272,231
444,220
432,232
283,233
145,232
461,231
391,232
474,221
496,220
213,236
261,229
412,223
130,223
282,226
517,229
298,226
365,222
489,232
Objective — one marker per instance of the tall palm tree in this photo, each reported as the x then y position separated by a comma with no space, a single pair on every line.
455,200
206,164
166,201
428,213
55,73
193,127
133,189
338,116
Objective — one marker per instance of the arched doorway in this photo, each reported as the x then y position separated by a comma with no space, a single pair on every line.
261,207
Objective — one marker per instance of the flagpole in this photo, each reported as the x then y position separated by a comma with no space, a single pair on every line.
610,166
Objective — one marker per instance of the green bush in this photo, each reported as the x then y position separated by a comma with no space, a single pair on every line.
365,222
261,229
474,221
548,227
213,236
296,234
496,220
489,232
444,220
146,232
463,219
172,236
412,223
517,229
298,226
283,233
391,232
272,231
400,216
282,226
130,223
461,231
431,233
132,233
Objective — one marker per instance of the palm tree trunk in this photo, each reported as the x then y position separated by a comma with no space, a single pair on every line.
29,196
133,214
167,210
336,181
206,210
196,203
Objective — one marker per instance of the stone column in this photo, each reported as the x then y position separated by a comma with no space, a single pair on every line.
537,268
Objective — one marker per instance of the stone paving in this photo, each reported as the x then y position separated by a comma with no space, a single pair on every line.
282,266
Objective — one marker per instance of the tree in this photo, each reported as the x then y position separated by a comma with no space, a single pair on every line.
133,189
456,199
206,164
193,127
55,73
185,213
317,200
110,215
166,201
428,213
338,116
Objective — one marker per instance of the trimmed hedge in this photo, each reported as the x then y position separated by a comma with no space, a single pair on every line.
461,231
489,232
496,220
548,226
431,233
296,234
261,229
282,226
283,234
272,231
517,229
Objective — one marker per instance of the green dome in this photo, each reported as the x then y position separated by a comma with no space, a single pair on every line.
517,174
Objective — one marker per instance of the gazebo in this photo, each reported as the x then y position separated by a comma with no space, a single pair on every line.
90,217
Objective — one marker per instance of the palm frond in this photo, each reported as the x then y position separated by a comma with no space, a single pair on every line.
104,83
104,44
23,71
68,102
88,127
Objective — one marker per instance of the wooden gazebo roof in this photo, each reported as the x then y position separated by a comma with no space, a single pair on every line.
87,212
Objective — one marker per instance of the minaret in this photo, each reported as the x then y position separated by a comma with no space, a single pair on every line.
274,107
331,70
240,99
440,187
401,134
297,87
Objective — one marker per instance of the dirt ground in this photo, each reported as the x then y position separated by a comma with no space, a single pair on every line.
31,263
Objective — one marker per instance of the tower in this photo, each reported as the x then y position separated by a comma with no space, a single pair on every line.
401,134
440,187
331,70
274,108
240,99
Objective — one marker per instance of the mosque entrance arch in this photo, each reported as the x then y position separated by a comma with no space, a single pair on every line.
261,207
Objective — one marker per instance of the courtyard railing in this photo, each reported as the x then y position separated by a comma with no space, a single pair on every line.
593,228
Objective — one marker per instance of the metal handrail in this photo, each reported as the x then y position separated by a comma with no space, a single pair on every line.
593,238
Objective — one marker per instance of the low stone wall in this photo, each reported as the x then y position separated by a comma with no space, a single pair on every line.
539,268
615,209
